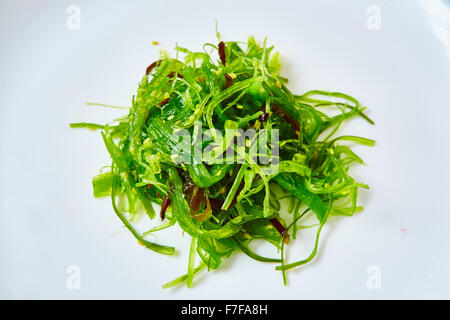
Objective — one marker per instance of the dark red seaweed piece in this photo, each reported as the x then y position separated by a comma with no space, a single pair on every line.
163,102
152,66
234,201
263,117
216,203
293,122
175,74
189,186
280,228
165,204
222,55
228,81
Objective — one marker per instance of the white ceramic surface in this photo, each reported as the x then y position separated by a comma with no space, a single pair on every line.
50,221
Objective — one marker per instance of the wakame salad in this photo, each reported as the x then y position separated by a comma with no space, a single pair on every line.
217,141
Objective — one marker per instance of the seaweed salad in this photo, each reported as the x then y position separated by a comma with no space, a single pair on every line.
218,143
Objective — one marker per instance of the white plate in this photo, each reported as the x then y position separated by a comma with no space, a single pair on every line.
397,248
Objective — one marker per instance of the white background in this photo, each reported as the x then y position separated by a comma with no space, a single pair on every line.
49,219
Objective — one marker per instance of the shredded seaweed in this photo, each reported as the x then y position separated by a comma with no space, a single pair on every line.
224,206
